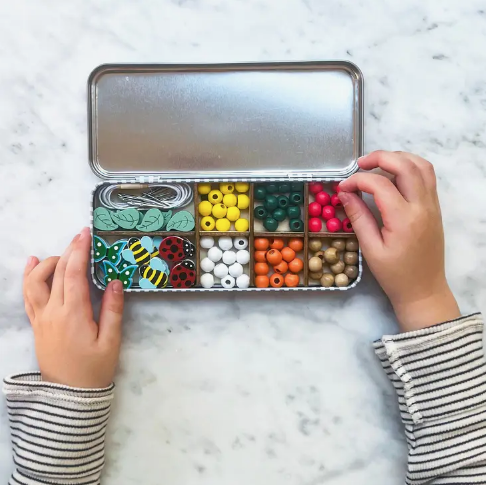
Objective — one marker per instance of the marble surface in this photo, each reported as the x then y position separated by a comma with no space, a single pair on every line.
262,389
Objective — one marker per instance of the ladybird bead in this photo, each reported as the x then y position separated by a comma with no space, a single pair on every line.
242,225
207,265
230,200
279,214
243,202
270,224
243,281
228,282
243,256
233,214
207,280
223,225
205,208
240,242
207,242
207,223
242,187
271,203
220,270
227,188
260,192
219,211
215,197
225,243
235,270
229,257
204,189
260,212
215,254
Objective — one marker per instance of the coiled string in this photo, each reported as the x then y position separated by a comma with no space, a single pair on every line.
161,196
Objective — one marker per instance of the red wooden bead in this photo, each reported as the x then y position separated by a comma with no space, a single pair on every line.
347,226
334,225
315,209
335,187
335,201
328,212
316,187
315,224
323,198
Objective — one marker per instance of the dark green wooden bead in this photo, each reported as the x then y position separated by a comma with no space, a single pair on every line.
283,201
260,192
271,203
260,212
284,188
296,225
270,224
279,214
296,198
297,187
272,188
293,211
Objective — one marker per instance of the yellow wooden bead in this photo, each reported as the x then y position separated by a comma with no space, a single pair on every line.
227,188
243,202
223,225
230,200
233,214
242,187
204,189
205,208
219,211
215,196
242,225
207,223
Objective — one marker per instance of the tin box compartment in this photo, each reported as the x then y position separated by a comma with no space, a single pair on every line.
240,122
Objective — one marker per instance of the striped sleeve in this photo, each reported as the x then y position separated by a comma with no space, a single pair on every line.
439,374
58,432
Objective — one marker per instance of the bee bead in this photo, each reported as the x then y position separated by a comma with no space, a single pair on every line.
215,254
243,281
207,280
228,282
220,270
243,256
241,242
207,242
225,243
229,257
207,265
235,270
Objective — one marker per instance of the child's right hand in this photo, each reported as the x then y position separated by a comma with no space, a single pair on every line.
72,349
406,255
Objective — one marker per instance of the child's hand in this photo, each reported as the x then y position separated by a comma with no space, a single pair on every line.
72,349
406,255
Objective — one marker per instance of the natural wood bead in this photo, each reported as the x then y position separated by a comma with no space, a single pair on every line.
352,244
327,280
338,267
315,276
331,255
341,280
350,258
320,255
339,244
315,244
315,264
351,272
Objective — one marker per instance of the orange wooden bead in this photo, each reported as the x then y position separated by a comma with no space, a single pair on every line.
296,265
274,257
262,281
281,268
277,243
288,254
260,256
261,268
296,244
292,280
261,243
277,280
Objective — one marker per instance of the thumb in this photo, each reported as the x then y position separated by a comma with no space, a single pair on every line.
111,314
362,220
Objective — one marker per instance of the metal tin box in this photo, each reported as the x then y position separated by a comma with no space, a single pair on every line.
253,122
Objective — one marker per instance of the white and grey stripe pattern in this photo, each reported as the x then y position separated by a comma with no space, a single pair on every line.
439,374
58,432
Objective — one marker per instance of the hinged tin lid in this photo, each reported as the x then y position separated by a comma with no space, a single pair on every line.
220,121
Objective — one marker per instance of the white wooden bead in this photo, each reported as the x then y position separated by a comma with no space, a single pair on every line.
229,257
225,243
207,265
228,282
215,254
243,281
241,242
235,270
207,280
220,270
243,256
207,242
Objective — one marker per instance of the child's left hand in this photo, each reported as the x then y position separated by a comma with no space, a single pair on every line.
72,349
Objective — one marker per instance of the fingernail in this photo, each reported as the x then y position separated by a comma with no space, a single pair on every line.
30,260
84,233
117,287
343,197
75,238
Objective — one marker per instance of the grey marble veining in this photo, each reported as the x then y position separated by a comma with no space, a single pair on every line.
262,389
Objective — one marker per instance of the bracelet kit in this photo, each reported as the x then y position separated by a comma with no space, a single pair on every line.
224,177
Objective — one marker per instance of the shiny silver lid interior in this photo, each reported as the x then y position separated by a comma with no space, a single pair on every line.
239,121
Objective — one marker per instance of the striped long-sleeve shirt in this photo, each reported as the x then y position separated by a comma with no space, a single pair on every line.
439,374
